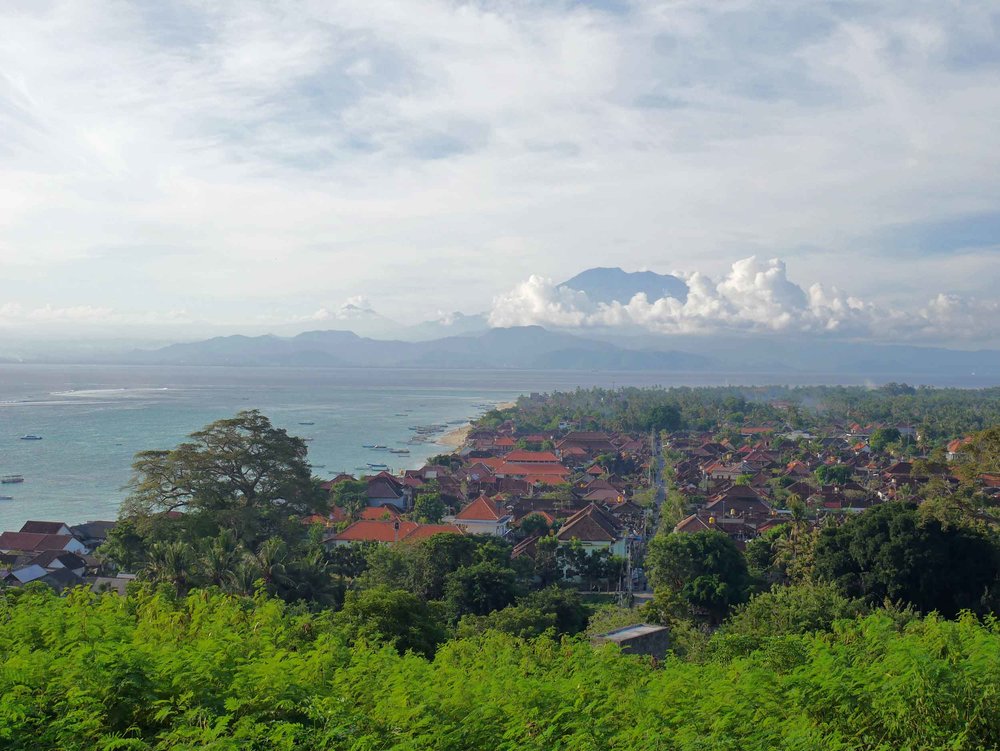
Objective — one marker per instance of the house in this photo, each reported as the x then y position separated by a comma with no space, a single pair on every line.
51,560
955,447
531,457
484,516
640,639
379,513
742,506
92,533
388,531
25,574
117,584
386,490
33,542
46,528
528,547
504,444
737,528
729,472
595,528
61,579
590,442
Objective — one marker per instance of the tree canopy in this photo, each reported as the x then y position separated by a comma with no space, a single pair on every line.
239,474
705,568
893,552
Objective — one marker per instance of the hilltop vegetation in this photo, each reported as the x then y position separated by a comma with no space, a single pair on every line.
219,672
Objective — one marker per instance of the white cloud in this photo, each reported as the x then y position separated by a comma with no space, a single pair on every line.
754,296
15,315
434,151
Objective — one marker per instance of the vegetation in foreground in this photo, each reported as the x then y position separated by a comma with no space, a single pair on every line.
217,671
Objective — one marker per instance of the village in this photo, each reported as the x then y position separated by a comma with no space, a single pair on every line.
603,493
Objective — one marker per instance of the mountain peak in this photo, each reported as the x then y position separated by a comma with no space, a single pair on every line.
607,284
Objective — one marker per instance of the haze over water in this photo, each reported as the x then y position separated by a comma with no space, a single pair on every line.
93,419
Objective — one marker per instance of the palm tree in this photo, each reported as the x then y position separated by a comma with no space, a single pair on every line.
271,562
220,557
171,562
314,580
790,547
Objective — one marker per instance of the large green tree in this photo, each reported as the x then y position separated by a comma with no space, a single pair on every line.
428,506
893,552
240,474
705,568
480,589
882,437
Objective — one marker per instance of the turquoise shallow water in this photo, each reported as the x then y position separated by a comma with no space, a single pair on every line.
93,419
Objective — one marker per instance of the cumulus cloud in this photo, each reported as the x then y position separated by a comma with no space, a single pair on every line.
296,151
755,295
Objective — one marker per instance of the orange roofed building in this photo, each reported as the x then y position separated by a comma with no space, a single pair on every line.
484,516
388,531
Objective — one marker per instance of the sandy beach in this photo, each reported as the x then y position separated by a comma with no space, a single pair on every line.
454,439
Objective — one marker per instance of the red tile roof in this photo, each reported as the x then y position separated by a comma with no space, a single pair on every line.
482,509
511,468
521,456
33,541
367,530
424,531
379,513
590,524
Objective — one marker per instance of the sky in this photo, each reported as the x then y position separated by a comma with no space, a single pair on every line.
185,167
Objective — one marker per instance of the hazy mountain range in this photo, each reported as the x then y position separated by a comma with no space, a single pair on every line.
530,347
357,336
533,347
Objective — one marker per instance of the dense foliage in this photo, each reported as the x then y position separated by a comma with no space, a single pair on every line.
892,552
211,671
938,414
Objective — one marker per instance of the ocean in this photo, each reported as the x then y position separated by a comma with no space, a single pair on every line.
93,419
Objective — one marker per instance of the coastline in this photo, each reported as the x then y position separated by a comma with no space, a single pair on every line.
455,439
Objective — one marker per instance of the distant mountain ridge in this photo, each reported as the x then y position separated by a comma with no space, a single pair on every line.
528,347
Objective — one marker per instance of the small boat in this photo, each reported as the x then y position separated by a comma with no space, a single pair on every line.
318,466
378,466
399,451
307,423
11,479
6,498
367,445
379,447
30,437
